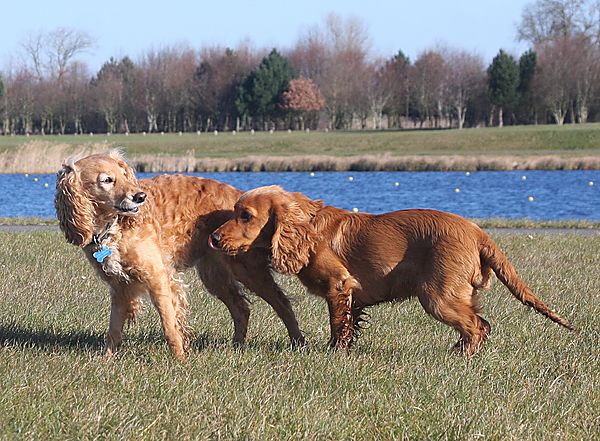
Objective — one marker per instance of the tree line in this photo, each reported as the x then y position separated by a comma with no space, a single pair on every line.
328,79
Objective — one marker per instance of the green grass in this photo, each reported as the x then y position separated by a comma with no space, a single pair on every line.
528,223
27,221
517,140
533,380
484,223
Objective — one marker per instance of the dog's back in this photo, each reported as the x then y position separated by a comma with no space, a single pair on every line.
188,207
393,254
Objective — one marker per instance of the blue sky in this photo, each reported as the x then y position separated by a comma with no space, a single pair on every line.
132,27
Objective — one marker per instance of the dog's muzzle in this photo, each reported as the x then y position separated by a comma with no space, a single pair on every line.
215,241
131,207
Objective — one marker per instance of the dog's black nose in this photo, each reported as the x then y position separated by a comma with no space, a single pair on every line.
215,240
140,197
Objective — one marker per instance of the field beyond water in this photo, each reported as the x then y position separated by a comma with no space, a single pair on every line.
533,380
508,148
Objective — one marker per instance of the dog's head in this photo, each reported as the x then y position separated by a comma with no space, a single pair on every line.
93,190
274,219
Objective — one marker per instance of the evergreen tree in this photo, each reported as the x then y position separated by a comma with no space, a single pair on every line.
260,93
503,80
527,67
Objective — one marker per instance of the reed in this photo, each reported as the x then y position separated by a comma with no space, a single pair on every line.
44,156
384,162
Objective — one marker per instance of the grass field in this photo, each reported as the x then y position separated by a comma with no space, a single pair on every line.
571,146
484,223
533,380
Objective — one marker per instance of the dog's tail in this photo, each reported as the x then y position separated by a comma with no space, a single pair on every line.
492,256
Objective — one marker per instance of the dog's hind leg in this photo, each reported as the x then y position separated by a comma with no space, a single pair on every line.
219,281
339,301
459,309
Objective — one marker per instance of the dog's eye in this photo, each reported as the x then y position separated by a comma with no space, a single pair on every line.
107,180
245,216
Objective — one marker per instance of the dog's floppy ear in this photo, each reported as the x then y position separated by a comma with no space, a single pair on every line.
74,210
294,237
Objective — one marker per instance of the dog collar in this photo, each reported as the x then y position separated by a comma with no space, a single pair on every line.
98,238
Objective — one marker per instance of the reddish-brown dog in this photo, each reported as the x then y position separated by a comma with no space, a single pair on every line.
139,234
359,260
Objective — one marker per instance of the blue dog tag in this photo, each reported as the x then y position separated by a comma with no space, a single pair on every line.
102,254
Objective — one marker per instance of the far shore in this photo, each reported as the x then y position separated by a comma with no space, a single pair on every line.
50,162
576,147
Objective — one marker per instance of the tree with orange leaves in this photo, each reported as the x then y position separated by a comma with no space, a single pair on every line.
303,98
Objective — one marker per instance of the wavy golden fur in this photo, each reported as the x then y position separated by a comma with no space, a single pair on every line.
357,260
154,229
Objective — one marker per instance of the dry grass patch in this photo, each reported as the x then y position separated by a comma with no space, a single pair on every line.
44,156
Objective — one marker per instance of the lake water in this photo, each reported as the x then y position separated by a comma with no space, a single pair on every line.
540,195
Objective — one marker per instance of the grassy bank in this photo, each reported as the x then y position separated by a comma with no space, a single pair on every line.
527,147
533,380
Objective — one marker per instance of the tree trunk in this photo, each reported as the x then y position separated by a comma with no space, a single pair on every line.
559,116
573,118
461,113
152,121
500,117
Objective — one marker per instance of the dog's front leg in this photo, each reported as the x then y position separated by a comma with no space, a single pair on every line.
123,305
162,299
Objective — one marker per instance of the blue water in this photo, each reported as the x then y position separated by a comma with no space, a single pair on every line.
556,194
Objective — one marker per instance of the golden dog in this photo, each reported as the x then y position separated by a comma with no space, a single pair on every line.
139,234
358,260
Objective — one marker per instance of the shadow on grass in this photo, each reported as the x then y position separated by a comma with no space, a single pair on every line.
16,334
204,342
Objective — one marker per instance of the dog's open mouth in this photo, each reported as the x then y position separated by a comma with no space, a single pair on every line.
131,210
224,248
128,208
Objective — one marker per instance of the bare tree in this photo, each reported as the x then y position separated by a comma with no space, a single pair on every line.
395,75
465,80
552,80
428,79
19,102
379,88
108,94
584,73
149,93
51,52
544,20
74,100
335,57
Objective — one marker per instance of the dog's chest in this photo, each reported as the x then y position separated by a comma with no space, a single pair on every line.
106,260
